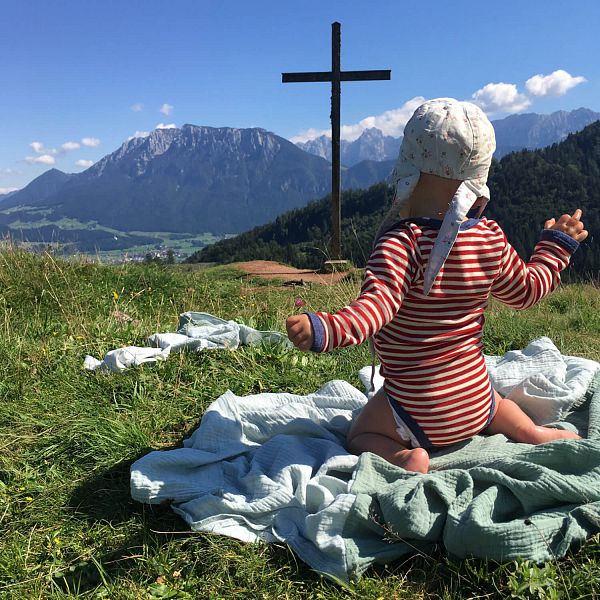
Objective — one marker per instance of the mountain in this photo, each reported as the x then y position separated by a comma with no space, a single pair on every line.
193,180
531,131
196,182
527,188
371,145
516,132
39,189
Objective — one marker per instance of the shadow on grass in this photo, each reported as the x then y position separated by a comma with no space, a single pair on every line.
157,541
104,500
154,537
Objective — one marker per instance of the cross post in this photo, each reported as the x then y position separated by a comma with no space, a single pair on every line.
336,76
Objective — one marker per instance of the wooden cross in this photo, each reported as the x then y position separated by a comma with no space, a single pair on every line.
336,75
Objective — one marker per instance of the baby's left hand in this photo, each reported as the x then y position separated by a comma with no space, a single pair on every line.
299,331
571,225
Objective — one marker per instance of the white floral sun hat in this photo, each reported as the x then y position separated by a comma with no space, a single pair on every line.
451,139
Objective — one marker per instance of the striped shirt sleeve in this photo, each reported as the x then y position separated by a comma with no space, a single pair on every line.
521,284
388,276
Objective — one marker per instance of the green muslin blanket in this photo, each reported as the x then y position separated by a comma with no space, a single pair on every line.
272,467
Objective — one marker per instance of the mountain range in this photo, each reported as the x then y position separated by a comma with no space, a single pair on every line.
516,132
195,180
190,180
527,188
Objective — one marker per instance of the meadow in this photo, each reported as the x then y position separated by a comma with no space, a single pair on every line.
68,526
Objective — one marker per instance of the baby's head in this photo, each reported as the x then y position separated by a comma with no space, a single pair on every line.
449,139
446,138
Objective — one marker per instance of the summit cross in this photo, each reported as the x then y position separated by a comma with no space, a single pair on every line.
335,76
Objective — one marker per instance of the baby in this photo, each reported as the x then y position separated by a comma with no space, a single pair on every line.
435,262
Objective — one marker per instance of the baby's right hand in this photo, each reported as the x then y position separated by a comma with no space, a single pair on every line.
571,225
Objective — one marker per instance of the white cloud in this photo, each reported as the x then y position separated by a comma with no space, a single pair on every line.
84,163
90,142
39,148
7,190
166,109
500,97
390,122
71,146
44,159
137,107
557,83
310,134
166,126
138,134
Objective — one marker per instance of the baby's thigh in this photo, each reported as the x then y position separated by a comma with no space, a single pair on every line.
375,417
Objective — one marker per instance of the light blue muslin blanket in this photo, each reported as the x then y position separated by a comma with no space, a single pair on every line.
273,467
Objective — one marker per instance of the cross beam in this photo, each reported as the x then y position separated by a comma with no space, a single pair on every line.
336,76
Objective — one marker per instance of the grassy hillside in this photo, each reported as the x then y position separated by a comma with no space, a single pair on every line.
68,527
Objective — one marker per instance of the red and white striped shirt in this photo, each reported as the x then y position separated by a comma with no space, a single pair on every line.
430,346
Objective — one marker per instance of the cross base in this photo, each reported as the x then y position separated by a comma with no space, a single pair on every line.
336,266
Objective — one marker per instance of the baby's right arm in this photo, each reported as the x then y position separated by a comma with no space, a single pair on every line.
571,225
521,284
300,332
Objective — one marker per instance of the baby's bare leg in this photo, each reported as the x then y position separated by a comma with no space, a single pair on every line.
374,430
415,459
516,425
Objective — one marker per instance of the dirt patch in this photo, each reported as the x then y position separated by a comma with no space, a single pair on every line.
269,269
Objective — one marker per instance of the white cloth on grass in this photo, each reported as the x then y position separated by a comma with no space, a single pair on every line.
196,331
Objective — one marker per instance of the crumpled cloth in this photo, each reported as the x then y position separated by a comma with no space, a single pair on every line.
273,467
196,331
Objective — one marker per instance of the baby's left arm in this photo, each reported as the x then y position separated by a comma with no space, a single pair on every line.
389,273
521,284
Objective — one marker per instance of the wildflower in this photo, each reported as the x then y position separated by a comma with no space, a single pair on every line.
299,303
28,499
115,295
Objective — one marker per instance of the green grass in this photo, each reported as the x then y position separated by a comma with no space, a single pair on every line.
68,527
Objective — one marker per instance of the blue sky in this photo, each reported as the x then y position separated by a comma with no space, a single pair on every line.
80,78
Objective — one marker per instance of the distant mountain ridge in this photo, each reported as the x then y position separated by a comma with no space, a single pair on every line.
198,180
527,131
372,144
193,179
532,131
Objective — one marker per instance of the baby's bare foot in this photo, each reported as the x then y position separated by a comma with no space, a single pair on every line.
416,460
541,435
